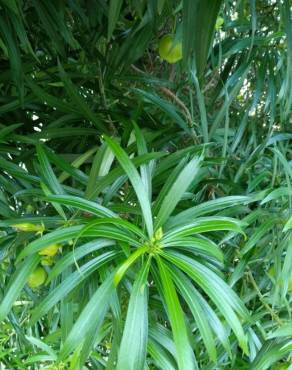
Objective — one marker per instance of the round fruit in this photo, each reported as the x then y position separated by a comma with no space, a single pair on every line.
219,23
47,261
29,208
169,50
50,250
271,271
37,278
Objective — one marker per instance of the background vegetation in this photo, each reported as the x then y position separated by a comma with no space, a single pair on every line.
166,187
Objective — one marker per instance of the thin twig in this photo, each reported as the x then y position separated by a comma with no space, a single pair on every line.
171,95
262,299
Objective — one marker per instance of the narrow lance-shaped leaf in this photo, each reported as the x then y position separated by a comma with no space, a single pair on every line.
259,232
166,107
113,15
129,261
288,225
100,167
82,204
47,172
70,283
92,316
202,225
136,181
204,208
56,236
135,333
177,190
145,168
271,353
189,293
72,257
80,101
199,15
108,179
16,284
185,357
42,345
221,294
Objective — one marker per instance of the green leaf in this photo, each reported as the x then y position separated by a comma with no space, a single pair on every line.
127,226
114,174
73,169
277,193
70,283
166,107
103,228
202,108
68,168
288,225
80,102
17,171
136,181
56,236
100,167
198,245
161,357
91,317
16,284
145,168
129,261
202,225
190,295
283,331
8,34
47,172
4,132
57,207
271,353
11,4
259,232
199,15
204,208
185,356
113,15
220,293
82,204
135,334
40,344
76,254
163,336
168,184
177,190
49,99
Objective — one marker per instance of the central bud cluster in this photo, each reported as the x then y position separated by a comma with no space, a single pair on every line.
154,244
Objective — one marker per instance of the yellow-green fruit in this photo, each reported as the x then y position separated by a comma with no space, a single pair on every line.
271,271
37,278
47,261
170,51
219,23
50,250
29,227
29,208
158,234
290,284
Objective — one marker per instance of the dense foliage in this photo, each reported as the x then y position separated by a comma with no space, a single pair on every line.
145,206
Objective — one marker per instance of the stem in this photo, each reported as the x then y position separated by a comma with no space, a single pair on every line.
262,299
